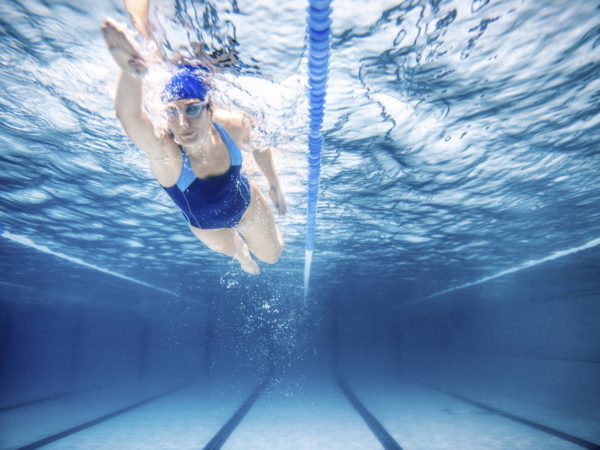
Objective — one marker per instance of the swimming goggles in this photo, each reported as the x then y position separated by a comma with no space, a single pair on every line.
191,111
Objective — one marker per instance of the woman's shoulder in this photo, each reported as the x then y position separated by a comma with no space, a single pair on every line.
237,124
231,118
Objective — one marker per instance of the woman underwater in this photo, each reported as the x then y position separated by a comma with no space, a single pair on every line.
198,161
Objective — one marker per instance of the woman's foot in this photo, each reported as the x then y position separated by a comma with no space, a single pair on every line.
139,13
250,267
246,262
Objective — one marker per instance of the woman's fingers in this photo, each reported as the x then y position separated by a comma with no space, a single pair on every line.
122,49
116,38
113,34
282,207
278,199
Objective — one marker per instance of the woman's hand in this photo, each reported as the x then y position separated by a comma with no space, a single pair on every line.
122,49
265,162
278,198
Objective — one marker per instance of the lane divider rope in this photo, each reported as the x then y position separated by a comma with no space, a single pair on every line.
319,30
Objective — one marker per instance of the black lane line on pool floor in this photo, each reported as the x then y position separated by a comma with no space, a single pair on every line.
104,418
223,434
376,427
538,426
53,397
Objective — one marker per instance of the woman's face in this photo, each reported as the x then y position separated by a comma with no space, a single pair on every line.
185,118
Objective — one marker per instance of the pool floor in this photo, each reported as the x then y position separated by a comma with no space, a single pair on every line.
289,413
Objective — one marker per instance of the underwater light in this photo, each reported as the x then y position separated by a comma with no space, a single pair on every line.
525,265
23,240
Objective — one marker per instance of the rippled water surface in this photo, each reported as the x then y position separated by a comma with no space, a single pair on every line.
461,139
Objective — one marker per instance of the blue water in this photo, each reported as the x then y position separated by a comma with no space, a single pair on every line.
457,254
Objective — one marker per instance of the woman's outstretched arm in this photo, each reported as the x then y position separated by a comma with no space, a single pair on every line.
128,100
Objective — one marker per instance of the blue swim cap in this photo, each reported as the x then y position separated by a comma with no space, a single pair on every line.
185,85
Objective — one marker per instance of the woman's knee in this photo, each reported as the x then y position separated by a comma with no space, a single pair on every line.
272,254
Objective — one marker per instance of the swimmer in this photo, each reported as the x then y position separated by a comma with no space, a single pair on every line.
198,161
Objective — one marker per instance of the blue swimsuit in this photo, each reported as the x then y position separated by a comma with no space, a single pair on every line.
216,202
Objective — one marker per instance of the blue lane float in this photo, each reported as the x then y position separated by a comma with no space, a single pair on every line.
319,30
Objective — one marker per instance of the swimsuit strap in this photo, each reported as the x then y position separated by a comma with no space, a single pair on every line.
187,175
234,151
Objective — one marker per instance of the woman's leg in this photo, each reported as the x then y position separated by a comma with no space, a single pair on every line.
259,230
228,242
